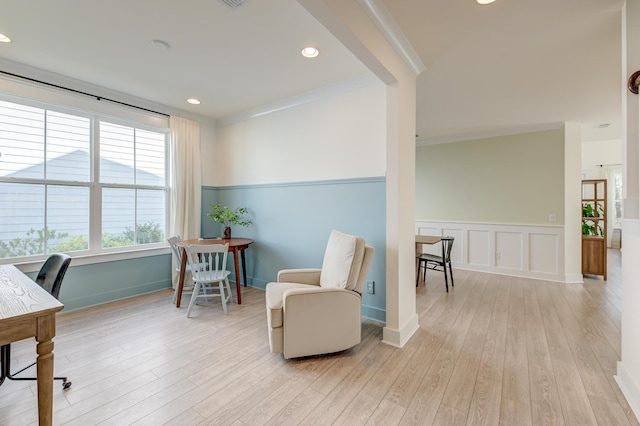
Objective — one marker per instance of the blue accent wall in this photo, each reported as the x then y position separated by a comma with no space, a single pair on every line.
292,222
88,285
291,225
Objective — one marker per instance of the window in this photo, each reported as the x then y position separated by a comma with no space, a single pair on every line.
71,181
617,199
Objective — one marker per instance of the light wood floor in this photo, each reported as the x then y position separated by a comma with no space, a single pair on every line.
496,350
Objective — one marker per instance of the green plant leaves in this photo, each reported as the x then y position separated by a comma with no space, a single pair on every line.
227,217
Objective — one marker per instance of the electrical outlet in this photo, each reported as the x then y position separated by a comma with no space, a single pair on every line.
370,287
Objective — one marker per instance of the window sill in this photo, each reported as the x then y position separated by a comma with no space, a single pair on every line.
88,259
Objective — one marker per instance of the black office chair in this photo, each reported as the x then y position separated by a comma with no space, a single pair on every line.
436,262
50,278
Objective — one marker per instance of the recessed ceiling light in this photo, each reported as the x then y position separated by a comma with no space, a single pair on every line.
4,38
160,44
193,101
485,1
310,52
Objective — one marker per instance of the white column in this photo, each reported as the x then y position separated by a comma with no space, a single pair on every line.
402,319
572,201
349,23
628,372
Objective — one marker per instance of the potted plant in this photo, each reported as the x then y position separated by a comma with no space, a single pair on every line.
227,217
592,227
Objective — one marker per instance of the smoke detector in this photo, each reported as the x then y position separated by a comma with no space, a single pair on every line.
232,4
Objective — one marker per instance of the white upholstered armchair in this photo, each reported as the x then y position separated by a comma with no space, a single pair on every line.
318,311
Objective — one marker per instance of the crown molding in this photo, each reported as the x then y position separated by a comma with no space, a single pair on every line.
380,15
301,99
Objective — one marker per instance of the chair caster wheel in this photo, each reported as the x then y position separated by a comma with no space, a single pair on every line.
66,385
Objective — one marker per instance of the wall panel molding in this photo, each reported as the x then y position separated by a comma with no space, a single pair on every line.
519,250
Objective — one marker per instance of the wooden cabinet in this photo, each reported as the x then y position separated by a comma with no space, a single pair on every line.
594,227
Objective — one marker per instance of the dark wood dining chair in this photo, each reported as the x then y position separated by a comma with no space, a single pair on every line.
438,263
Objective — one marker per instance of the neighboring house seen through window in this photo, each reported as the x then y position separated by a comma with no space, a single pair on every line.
76,182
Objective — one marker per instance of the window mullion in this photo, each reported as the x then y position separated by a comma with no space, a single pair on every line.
135,190
45,229
95,212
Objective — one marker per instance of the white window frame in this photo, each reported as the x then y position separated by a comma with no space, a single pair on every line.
95,253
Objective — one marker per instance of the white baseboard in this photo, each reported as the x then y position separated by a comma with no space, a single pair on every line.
629,388
574,278
398,338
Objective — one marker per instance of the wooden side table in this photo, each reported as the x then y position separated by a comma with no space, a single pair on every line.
235,245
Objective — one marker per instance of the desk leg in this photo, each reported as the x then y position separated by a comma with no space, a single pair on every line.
235,264
46,331
244,267
183,267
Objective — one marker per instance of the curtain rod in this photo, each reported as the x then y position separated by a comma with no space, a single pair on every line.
99,98
605,165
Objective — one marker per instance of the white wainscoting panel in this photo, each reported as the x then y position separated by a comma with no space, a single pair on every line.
509,248
518,250
544,253
478,247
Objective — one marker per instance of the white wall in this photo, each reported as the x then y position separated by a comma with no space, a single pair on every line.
628,372
339,137
512,179
489,187
596,153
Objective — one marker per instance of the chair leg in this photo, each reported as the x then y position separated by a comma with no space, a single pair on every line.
5,363
206,290
5,373
446,282
451,274
228,289
175,295
418,273
424,273
194,297
221,286
188,287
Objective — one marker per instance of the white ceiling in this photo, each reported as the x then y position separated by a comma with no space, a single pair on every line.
514,64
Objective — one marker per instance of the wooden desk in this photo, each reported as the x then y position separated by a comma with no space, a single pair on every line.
235,245
425,239
27,310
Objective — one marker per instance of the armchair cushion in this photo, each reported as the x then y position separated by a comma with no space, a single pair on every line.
342,261
274,296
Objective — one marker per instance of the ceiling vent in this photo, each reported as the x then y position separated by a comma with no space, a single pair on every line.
232,4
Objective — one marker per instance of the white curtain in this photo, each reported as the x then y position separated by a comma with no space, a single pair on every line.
186,178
